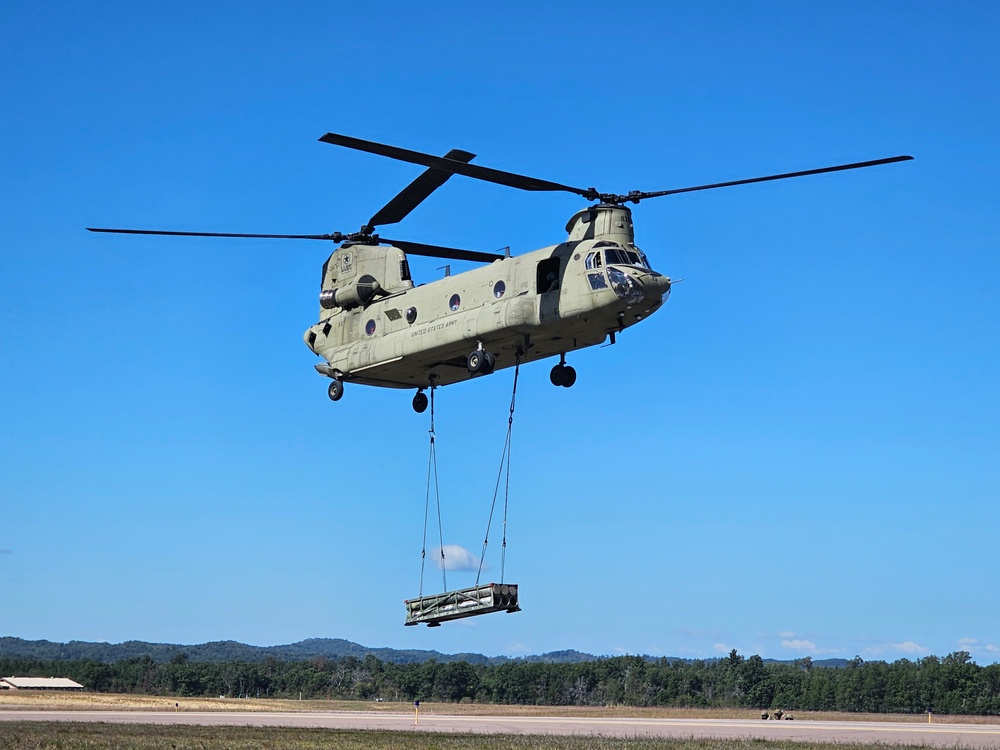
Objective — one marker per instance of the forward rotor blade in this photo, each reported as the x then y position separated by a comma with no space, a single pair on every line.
336,237
637,196
414,248
453,166
436,251
415,193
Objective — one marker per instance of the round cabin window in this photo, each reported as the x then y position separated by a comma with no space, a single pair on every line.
498,289
370,327
455,302
411,315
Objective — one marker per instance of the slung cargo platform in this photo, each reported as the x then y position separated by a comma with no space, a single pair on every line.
454,605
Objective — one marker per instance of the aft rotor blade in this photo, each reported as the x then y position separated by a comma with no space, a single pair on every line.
436,251
453,166
637,196
415,193
336,237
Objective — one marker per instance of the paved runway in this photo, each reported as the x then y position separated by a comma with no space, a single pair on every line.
931,735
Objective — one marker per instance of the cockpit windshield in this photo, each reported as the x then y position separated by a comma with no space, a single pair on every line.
615,254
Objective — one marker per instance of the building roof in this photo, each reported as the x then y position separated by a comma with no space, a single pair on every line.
53,683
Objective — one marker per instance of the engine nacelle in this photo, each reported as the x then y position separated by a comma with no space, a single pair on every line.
358,294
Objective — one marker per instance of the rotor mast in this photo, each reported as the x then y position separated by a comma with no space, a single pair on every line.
602,220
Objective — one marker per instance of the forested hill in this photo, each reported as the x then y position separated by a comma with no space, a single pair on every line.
953,684
231,651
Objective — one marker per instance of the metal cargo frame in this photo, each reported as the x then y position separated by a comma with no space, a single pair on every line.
454,605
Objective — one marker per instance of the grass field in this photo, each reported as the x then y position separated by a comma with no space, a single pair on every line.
71,736
58,701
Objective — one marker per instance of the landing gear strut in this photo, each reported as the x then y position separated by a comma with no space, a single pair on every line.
562,374
336,390
420,402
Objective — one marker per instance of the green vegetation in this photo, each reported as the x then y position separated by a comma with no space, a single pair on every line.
44,735
952,685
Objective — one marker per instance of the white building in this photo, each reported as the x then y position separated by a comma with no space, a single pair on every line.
39,683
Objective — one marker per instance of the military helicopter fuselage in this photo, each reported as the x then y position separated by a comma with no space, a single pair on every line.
377,328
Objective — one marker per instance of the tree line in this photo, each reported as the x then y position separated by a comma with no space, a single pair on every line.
953,684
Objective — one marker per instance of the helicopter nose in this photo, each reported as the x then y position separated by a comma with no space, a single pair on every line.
656,284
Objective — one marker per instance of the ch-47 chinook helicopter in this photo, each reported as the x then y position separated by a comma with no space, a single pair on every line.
376,328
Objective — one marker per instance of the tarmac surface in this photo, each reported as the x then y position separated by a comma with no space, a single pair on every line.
843,732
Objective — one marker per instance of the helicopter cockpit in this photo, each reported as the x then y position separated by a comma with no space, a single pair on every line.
615,254
602,264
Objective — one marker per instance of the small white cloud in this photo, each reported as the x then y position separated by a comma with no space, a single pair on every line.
455,557
991,648
906,647
721,648
799,644
967,641
786,634
517,648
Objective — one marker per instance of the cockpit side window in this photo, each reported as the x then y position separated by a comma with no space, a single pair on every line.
593,261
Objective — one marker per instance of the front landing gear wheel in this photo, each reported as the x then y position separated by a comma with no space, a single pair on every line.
559,375
336,390
475,362
562,374
481,362
420,402
489,363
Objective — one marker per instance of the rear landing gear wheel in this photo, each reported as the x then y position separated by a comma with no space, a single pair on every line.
336,390
570,377
420,402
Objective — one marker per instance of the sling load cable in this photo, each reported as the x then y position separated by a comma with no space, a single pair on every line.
432,472
504,462
478,600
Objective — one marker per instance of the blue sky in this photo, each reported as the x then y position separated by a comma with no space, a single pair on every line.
797,456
